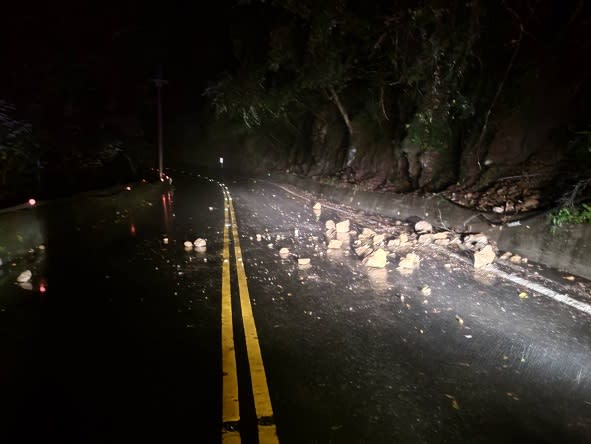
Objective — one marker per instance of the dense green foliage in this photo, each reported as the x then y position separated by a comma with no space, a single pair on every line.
576,215
447,85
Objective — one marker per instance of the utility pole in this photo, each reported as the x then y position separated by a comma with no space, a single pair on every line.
159,82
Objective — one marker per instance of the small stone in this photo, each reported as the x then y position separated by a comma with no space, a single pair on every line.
343,227
568,278
423,227
367,232
335,244
330,225
441,235
410,262
377,259
403,238
165,240
425,239
506,255
259,237
200,242
304,261
484,257
330,234
188,244
41,247
25,276
460,320
516,259
317,206
378,239
393,243
442,242
477,238
362,251
426,290
284,251
498,210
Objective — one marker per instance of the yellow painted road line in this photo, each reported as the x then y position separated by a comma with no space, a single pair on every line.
267,432
230,405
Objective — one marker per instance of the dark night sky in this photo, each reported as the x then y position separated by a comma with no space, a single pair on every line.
88,51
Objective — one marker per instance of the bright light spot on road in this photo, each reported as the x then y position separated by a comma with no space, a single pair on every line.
32,202
221,160
128,188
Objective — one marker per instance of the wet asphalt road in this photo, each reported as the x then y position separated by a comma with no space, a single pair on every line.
125,343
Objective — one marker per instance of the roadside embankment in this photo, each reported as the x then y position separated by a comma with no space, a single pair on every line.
566,249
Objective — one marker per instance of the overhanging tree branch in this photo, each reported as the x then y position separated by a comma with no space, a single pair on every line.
335,98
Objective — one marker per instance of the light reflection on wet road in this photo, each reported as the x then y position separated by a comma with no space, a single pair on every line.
124,341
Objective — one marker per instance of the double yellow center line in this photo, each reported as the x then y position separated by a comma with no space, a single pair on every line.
266,430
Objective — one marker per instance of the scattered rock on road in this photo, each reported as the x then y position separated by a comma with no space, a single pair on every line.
410,262
506,255
343,227
200,242
25,276
362,251
378,239
26,286
484,257
377,259
304,261
335,244
367,233
330,225
478,239
425,239
284,251
392,244
317,206
188,244
423,226
515,259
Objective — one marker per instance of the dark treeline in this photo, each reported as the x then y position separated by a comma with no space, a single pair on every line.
405,95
